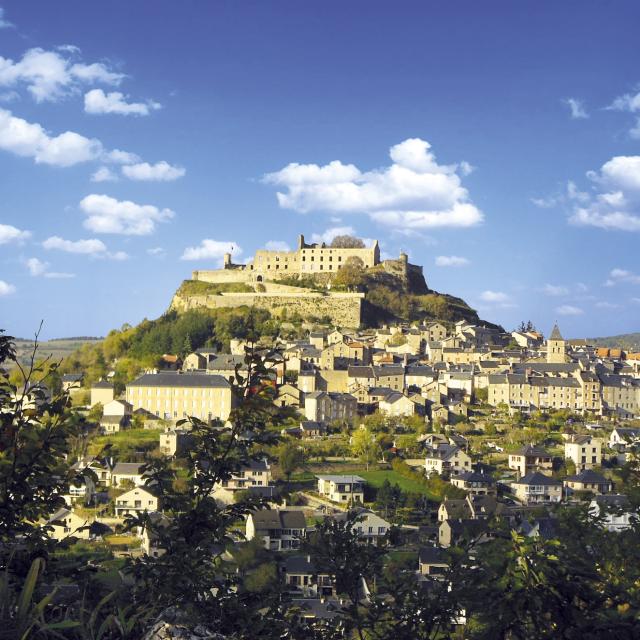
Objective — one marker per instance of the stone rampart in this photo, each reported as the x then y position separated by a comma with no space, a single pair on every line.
344,309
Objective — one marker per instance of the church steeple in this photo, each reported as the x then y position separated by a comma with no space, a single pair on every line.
556,347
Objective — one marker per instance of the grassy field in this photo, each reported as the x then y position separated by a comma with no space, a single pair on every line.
128,439
377,478
55,349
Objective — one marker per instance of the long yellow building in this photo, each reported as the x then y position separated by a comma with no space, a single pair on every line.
174,396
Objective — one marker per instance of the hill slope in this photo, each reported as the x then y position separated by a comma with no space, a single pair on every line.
626,341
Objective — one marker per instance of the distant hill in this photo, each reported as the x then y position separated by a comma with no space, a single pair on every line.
56,348
626,341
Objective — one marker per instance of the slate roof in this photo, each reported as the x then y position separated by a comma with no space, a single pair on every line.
555,333
537,478
72,377
102,384
168,379
128,468
588,475
532,451
299,564
432,555
278,519
342,479
472,476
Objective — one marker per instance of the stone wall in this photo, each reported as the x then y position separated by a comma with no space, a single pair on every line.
344,309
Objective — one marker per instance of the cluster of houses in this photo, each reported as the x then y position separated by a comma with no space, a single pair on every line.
432,371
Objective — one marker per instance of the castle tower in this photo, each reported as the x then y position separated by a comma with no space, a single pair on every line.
556,347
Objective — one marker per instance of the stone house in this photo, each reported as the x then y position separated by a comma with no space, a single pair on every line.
530,458
102,392
588,480
446,459
397,405
323,406
479,484
288,396
175,441
585,451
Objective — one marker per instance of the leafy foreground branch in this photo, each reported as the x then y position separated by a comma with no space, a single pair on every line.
581,583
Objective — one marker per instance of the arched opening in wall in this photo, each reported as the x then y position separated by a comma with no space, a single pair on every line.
259,279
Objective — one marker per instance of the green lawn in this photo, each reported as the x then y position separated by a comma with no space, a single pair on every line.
377,478
129,438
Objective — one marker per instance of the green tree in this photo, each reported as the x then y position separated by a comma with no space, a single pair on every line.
347,242
290,458
350,275
365,446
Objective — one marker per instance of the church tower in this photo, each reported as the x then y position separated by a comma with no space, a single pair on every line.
556,347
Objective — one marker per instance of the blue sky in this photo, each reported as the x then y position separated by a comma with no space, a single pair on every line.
497,143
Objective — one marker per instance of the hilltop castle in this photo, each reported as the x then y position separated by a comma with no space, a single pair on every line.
306,260
267,281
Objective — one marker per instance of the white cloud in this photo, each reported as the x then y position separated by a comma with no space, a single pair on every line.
97,101
211,250
631,104
330,234
618,275
577,108
451,261
92,247
32,141
108,215
494,297
635,300
569,310
103,174
118,156
50,76
277,245
546,203
37,268
626,102
9,233
156,251
607,305
571,194
555,290
4,24
617,205
158,172
415,191
6,288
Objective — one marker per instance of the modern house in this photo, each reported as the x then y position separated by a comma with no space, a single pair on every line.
347,488
280,529
535,487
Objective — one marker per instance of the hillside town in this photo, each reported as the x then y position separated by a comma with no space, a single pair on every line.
416,435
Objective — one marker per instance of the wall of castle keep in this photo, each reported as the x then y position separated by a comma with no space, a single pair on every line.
344,309
307,260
